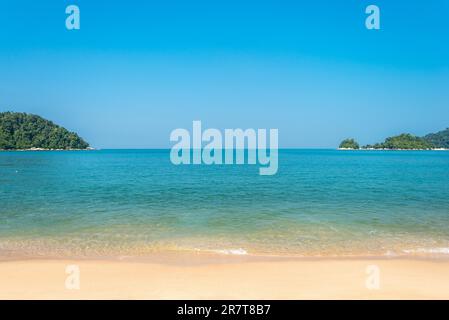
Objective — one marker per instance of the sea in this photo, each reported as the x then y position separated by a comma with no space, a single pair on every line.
321,203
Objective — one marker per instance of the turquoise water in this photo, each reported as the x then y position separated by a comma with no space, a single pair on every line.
135,202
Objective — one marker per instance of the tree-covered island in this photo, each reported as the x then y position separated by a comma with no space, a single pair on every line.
439,139
23,131
405,141
349,144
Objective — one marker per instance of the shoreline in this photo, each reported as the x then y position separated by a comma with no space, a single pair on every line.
192,258
41,149
252,279
383,149
222,256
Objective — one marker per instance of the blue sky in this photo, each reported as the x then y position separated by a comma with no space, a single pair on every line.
138,69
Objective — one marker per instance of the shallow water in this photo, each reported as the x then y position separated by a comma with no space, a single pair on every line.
136,202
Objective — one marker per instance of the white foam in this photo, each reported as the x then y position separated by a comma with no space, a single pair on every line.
428,250
238,251
390,253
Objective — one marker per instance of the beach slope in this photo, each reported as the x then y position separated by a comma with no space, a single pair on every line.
285,279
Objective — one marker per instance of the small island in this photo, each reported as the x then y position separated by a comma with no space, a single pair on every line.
23,131
405,141
349,144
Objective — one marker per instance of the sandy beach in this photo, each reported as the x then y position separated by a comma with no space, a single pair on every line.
233,279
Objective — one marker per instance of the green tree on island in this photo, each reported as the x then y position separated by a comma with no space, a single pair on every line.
406,141
403,141
26,131
439,139
349,144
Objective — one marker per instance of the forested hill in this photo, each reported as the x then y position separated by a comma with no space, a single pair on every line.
27,131
439,139
405,141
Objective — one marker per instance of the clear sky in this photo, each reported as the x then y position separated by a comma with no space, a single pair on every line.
138,69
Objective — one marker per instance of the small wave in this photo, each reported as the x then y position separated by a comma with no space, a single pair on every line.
428,250
238,251
391,253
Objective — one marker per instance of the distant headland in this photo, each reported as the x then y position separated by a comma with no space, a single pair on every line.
23,131
405,141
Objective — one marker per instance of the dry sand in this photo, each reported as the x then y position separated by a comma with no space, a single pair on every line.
235,279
